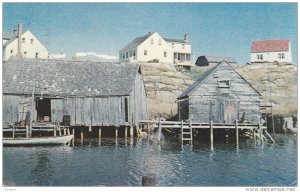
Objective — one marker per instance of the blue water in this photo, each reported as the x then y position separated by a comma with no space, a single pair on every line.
123,164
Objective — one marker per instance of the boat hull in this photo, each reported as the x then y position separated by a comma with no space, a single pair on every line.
59,140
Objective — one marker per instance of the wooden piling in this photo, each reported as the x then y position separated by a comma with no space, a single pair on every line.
125,132
131,131
260,132
237,132
99,133
149,180
159,129
65,131
181,126
69,133
81,135
116,132
54,131
211,134
254,136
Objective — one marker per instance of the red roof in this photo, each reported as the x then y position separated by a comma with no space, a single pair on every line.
270,46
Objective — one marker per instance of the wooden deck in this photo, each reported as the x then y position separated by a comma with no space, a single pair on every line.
257,130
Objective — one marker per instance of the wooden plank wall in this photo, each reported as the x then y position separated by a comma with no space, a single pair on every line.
138,101
241,91
13,108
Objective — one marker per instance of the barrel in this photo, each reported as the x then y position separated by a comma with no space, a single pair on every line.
66,120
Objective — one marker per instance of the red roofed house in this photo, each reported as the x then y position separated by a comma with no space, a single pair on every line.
270,51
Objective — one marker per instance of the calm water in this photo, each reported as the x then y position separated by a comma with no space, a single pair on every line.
124,164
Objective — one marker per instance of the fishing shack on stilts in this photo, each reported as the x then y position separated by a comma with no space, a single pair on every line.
85,96
221,103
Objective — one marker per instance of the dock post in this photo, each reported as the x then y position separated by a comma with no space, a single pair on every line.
54,131
261,133
211,134
159,129
116,132
131,131
69,133
81,135
125,132
73,140
65,131
100,133
237,132
148,180
181,126
254,136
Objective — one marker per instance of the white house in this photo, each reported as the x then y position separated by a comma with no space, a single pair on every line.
270,51
24,45
154,48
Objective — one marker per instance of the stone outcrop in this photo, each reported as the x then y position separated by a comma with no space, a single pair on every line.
164,83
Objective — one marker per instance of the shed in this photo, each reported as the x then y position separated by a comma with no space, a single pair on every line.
92,93
220,95
213,60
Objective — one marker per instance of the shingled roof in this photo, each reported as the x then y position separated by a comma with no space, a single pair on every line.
270,46
137,41
68,78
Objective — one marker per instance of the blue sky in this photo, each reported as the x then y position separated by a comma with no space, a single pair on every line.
221,29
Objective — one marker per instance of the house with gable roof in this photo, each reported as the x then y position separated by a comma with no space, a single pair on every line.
24,45
271,51
154,48
220,95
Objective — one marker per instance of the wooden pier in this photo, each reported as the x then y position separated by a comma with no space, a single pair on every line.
27,131
257,131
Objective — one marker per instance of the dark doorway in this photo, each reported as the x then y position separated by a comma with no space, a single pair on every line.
43,108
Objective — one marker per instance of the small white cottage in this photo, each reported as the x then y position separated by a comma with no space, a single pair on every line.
271,51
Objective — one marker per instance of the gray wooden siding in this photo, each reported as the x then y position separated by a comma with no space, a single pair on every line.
240,91
138,100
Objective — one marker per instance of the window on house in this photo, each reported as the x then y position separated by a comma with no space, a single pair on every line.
11,51
31,41
145,52
123,56
36,55
134,57
126,54
183,46
281,55
224,84
260,57
165,54
152,41
23,40
25,53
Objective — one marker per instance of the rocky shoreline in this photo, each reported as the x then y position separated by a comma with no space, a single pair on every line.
164,83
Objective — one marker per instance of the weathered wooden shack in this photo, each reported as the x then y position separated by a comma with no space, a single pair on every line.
220,95
91,93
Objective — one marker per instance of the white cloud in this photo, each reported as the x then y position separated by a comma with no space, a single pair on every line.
100,56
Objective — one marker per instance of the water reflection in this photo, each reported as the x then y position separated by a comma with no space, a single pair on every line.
42,172
105,162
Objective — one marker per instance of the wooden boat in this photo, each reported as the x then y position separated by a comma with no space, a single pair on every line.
56,140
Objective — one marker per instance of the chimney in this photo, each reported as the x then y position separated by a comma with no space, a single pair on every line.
19,39
185,37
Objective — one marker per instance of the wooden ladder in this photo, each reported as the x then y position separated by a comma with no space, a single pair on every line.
18,131
186,133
